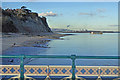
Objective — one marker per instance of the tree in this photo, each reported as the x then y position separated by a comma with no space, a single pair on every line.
23,7
68,26
28,11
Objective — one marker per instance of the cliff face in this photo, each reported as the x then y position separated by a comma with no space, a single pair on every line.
23,21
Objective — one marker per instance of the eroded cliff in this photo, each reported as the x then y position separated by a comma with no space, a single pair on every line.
23,21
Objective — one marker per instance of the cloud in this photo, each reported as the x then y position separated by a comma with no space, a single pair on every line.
114,25
61,14
101,10
95,13
48,14
102,16
87,14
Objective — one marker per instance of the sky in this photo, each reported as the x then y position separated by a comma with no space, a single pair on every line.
78,15
60,0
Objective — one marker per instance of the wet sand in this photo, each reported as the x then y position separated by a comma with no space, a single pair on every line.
16,40
19,40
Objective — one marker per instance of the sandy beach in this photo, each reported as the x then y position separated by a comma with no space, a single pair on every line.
16,40
19,40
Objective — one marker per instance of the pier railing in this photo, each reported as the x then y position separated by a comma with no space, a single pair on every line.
72,57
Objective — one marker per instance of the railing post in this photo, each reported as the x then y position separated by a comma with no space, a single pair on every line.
73,57
22,68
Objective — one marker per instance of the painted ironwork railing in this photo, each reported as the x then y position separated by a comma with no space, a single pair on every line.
72,57
65,72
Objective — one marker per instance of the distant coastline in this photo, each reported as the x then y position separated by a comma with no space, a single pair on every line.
87,31
92,31
81,31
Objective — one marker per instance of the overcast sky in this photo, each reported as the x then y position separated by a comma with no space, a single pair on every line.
78,15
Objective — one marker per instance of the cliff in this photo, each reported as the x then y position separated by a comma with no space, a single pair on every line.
23,21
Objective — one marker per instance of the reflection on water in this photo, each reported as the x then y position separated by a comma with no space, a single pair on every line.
82,44
85,44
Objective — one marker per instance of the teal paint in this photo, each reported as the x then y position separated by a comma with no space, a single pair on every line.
22,68
72,57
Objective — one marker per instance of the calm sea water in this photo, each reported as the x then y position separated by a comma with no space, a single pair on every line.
82,44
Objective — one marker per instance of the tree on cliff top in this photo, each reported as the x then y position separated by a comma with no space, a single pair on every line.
23,7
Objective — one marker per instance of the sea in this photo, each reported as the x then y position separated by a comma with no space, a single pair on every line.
79,44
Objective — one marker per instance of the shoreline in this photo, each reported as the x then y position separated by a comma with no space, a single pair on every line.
28,61
19,40
10,41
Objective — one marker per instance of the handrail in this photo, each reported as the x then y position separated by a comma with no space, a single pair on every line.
59,56
72,57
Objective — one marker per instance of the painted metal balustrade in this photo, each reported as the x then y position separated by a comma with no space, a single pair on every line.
73,70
